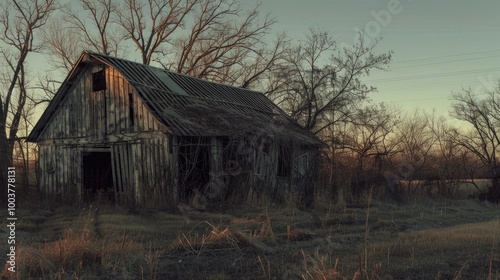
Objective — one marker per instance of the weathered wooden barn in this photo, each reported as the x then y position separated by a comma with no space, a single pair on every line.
134,133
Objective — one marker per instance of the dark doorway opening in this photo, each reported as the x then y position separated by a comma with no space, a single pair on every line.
97,176
193,165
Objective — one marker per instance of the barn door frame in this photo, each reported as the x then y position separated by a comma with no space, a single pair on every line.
85,152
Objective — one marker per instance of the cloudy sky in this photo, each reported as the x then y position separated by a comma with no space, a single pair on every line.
439,46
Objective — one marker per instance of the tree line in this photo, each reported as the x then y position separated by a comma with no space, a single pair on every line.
319,83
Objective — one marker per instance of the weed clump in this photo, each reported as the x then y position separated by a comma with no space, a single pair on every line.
73,252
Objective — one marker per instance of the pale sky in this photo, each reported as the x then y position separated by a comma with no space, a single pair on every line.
439,46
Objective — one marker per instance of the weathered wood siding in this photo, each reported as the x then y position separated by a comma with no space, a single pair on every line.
152,174
299,182
114,120
60,175
143,160
97,115
142,171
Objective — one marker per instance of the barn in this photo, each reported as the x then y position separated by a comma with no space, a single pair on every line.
132,133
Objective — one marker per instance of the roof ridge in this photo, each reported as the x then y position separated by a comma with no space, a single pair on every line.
174,72
206,108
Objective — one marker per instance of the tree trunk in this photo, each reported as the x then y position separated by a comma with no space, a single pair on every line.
494,191
5,162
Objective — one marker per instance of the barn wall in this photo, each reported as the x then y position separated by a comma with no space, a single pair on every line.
60,177
114,120
145,170
265,169
151,173
299,179
97,115
141,170
304,171
143,160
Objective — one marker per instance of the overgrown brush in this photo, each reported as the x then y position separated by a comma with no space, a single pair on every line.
81,251
72,253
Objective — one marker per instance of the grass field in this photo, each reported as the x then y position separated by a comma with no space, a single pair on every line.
421,239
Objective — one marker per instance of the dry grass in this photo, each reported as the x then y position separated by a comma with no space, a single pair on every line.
464,251
74,252
196,242
419,240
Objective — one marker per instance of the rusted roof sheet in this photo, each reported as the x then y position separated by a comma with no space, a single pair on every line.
194,107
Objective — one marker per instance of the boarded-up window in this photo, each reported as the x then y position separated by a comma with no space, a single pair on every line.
98,81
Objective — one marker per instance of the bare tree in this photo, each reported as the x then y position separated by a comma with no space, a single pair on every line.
483,114
80,25
46,88
320,86
259,64
150,24
223,44
93,23
24,152
415,136
19,20
64,47
99,13
415,142
368,137
322,79
449,165
211,39
368,133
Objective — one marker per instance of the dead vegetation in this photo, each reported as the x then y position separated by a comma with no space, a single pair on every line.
420,240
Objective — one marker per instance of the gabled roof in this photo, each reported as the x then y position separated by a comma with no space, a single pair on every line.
190,106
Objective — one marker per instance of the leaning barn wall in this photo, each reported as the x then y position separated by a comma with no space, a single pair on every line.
114,119
143,161
287,171
149,173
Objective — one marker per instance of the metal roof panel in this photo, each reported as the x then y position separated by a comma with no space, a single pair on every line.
192,106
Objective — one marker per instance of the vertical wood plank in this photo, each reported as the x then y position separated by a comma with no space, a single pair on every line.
143,161
64,170
107,100
123,104
146,160
155,162
77,169
140,111
135,173
52,170
102,115
83,105
113,172
124,163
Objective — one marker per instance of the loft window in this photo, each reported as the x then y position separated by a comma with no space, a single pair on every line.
98,81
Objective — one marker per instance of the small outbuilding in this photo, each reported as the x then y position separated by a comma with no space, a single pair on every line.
133,133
